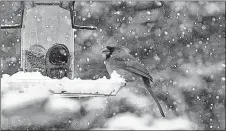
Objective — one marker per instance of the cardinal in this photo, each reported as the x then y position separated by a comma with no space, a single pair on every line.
118,58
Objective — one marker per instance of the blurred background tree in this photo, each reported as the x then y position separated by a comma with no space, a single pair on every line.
182,44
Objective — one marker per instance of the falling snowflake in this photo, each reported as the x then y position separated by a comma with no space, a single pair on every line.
156,57
217,97
166,33
203,27
13,59
186,70
118,13
87,59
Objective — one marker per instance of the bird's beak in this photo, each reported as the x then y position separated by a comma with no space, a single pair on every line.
106,51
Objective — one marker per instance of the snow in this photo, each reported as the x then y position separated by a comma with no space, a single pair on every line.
26,100
12,101
95,103
24,88
217,97
193,76
55,105
130,121
29,82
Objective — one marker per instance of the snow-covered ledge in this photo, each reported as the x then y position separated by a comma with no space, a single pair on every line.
23,88
26,82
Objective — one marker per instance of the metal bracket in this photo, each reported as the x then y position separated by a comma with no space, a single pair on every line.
74,26
78,95
21,22
72,12
39,3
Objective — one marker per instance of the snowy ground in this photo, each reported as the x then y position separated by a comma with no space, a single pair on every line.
27,103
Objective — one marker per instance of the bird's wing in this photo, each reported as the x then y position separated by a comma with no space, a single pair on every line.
131,64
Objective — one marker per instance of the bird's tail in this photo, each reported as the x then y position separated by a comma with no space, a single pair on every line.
146,82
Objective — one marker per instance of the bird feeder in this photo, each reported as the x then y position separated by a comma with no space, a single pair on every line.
47,41
47,38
